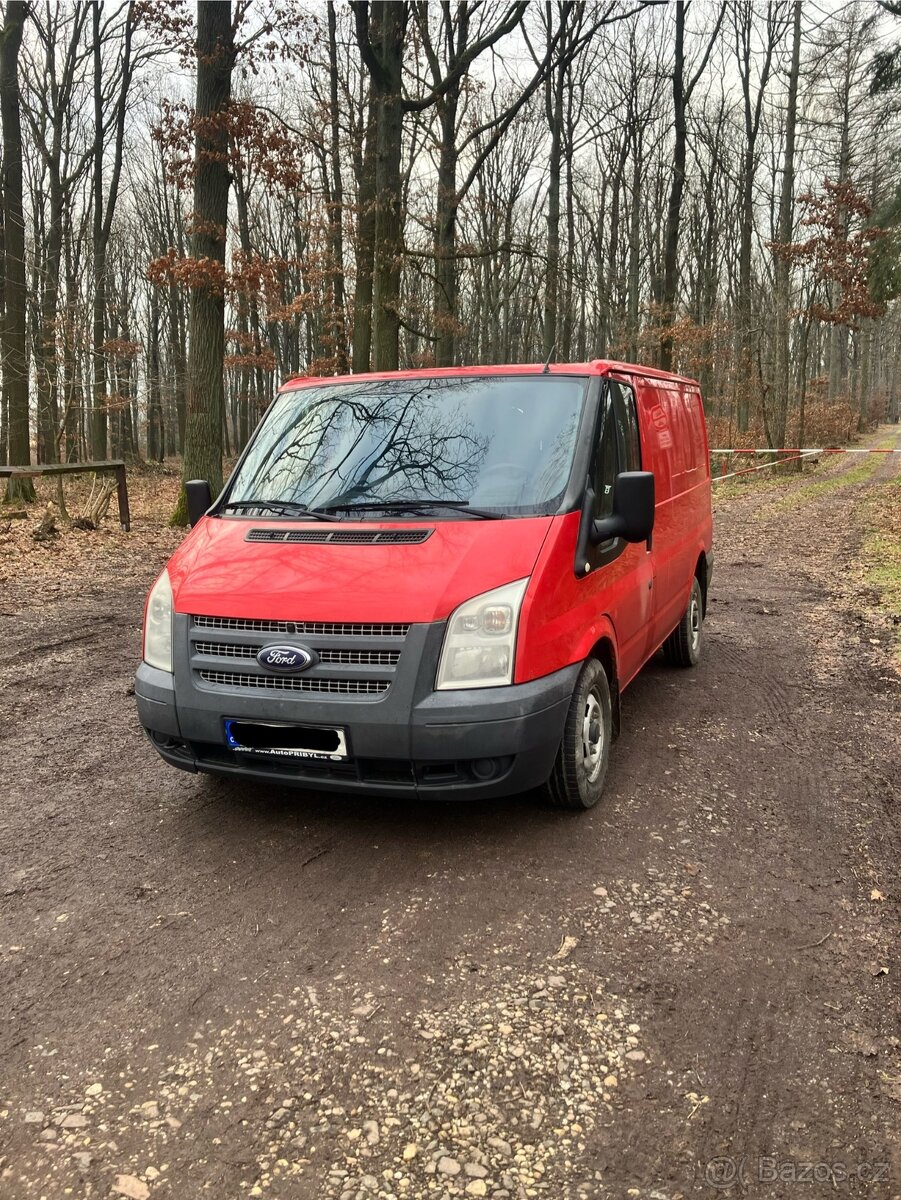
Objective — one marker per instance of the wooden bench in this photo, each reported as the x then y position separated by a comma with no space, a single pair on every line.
114,466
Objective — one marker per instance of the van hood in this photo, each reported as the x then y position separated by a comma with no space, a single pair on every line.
216,572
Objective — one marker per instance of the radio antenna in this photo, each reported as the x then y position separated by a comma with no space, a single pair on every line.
547,364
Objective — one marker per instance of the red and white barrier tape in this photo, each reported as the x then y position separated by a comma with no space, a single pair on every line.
796,452
762,467
812,450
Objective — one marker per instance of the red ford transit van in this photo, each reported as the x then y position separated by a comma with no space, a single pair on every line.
435,583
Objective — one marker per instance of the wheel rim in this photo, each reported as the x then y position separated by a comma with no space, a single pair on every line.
592,736
694,623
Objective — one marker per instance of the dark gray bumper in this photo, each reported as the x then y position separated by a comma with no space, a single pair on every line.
410,741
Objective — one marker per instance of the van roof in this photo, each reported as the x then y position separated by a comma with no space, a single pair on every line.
597,366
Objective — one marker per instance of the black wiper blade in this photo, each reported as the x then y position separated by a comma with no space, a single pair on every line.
285,508
418,506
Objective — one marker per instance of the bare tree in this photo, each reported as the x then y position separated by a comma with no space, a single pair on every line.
205,405
683,89
15,365
104,208
782,270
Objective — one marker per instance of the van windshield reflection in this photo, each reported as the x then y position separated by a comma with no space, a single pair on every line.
501,444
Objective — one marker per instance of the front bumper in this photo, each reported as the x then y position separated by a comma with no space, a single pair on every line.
411,741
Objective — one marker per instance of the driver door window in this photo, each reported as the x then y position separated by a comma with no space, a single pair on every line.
612,455
606,466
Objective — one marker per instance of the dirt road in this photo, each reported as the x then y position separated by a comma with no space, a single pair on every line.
213,989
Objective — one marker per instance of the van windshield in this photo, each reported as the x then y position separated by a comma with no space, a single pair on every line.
499,443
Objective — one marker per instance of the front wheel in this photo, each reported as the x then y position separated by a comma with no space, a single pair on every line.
577,779
683,646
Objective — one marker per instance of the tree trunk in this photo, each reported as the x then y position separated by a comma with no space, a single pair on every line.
98,412
554,112
15,367
68,436
782,266
48,395
634,256
365,248
387,259
156,441
668,292
864,373
336,212
178,363
677,187
566,334
743,353
249,377
446,233
206,392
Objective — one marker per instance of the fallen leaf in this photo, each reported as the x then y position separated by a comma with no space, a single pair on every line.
566,947
861,1043
876,894
692,868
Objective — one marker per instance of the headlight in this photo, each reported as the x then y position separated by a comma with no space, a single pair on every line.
158,625
480,642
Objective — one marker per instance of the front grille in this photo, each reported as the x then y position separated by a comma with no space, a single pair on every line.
291,683
323,628
225,649
369,658
350,659
342,537
344,658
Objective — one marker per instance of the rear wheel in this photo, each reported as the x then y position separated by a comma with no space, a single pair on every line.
577,780
683,646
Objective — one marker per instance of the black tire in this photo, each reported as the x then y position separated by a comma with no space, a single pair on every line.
577,780
683,646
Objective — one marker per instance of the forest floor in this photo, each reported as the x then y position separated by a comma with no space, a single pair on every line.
212,988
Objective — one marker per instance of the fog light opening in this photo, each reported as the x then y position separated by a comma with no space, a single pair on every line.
165,742
485,768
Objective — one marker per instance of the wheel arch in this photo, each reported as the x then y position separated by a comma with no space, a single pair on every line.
701,576
604,651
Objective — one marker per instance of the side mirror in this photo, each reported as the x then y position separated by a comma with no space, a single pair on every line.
199,497
633,509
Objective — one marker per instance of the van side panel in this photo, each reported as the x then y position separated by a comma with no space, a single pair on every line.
637,599
659,456
673,421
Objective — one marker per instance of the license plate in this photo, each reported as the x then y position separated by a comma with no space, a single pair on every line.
281,739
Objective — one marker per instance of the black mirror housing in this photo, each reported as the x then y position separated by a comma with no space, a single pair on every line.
199,498
633,509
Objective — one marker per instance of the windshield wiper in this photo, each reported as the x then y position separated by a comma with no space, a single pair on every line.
284,508
418,506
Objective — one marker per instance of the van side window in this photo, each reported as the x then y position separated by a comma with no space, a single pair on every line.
611,455
630,426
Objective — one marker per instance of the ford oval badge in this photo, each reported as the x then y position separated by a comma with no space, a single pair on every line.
285,659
